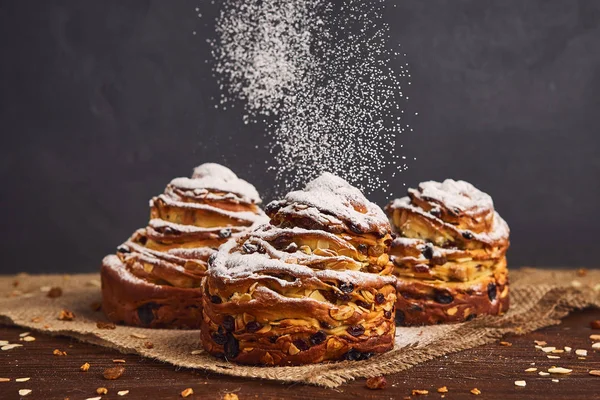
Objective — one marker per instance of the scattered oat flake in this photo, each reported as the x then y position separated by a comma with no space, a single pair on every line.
596,346
22,379
540,342
94,398
507,344
58,352
8,379
113,373
24,392
442,389
24,334
29,339
196,352
548,349
10,346
581,352
66,315
119,361
376,382
85,367
187,392
555,380
568,349
102,390
595,372
559,370
4,342
520,383
416,392
595,337
230,396
558,351
476,391
531,369
553,357
45,288
123,392
139,336
543,373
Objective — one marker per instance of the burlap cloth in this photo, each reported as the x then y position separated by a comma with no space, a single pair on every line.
539,298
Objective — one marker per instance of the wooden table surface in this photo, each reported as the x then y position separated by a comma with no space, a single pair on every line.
493,369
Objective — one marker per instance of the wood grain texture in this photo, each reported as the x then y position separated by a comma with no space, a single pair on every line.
492,369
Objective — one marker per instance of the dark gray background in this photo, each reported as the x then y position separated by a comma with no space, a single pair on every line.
103,102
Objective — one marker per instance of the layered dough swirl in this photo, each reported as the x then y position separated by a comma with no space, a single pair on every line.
154,279
449,254
313,285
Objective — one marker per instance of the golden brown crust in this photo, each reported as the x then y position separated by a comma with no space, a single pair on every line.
449,241
159,270
288,295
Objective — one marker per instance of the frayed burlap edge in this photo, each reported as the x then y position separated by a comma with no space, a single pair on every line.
539,298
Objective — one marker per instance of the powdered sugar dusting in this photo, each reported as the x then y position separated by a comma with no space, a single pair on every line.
320,75
453,194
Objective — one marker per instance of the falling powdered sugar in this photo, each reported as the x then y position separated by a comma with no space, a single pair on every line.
320,76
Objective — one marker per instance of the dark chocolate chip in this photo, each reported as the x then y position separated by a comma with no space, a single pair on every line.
492,291
467,235
318,338
346,287
219,338
231,347
215,300
363,304
356,330
301,344
229,323
400,317
225,233
379,298
363,248
427,251
387,314
443,297
145,312
123,249
253,326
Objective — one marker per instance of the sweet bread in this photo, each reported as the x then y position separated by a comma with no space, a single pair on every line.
449,254
313,285
154,279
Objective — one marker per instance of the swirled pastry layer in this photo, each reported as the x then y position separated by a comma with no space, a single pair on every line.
313,285
154,279
449,240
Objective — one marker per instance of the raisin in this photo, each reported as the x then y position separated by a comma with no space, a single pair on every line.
325,325
301,344
219,338
354,228
225,233
231,347
253,326
211,259
467,235
363,248
143,240
216,299
168,230
249,248
146,313
427,251
492,291
387,314
123,249
291,248
229,323
436,212
356,330
272,339
346,287
318,338
379,298
471,316
400,317
343,297
363,304
355,355
443,297
416,307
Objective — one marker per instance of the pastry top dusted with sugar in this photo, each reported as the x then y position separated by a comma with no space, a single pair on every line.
329,203
211,178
